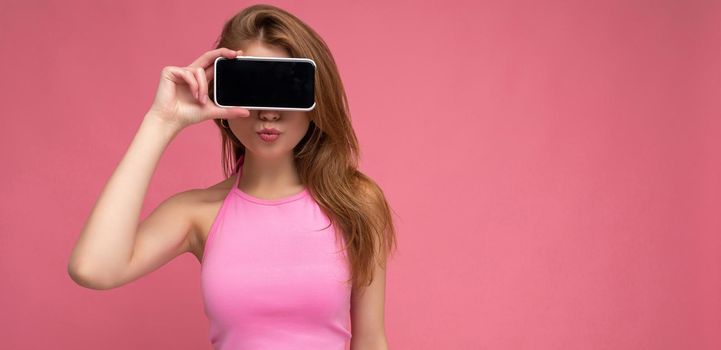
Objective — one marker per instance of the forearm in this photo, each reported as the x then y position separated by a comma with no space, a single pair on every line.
106,241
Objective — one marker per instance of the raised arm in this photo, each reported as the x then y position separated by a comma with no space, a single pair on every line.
113,249
106,243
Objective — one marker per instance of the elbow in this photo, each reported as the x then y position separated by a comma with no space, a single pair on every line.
83,277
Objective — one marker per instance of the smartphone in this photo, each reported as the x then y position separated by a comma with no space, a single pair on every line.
264,83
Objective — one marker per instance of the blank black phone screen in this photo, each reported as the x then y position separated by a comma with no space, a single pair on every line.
264,83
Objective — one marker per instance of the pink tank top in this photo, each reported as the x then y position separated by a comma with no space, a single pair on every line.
273,275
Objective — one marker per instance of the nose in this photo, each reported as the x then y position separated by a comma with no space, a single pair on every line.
268,115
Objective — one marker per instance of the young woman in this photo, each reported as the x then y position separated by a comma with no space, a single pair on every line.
293,244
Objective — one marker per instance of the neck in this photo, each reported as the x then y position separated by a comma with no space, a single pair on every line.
269,175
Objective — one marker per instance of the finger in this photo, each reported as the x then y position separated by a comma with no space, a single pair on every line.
192,82
181,74
213,111
209,57
210,71
199,74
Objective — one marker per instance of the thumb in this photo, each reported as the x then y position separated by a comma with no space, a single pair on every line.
229,113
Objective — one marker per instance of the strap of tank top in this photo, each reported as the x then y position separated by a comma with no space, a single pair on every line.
238,170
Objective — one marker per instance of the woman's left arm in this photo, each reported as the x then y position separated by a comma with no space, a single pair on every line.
367,311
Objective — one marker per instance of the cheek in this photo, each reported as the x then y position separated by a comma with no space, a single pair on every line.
301,129
244,130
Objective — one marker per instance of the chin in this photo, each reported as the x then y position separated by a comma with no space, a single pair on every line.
266,151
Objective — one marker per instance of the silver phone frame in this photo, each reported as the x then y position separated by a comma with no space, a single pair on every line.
259,58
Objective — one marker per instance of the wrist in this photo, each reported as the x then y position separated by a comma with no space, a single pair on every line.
160,125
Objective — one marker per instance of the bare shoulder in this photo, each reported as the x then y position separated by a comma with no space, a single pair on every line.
205,204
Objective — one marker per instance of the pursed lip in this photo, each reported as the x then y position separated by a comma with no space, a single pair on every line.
269,131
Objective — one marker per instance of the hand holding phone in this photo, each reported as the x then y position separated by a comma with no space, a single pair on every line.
180,96
252,82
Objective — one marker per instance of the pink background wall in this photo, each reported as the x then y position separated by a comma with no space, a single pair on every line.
556,182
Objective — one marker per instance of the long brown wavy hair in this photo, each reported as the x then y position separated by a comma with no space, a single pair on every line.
326,157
